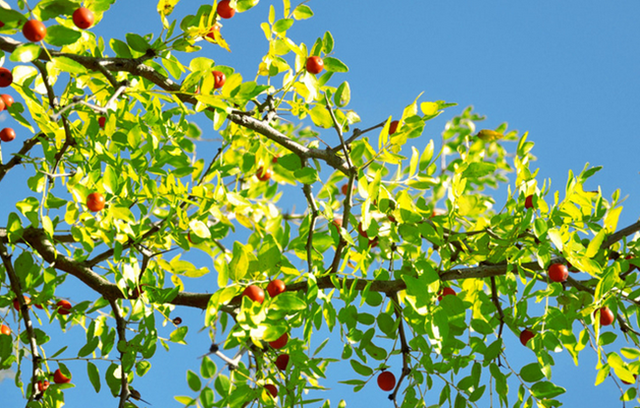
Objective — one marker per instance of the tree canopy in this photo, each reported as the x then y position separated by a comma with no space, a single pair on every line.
403,251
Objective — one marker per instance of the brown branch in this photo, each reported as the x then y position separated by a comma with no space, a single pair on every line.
24,311
136,67
17,158
121,328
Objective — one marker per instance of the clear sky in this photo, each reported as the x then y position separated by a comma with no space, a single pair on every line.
568,72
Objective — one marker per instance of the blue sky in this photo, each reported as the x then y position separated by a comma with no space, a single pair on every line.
566,72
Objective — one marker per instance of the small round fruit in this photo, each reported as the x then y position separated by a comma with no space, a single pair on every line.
4,329
276,287
177,321
337,221
102,120
34,30
219,78
2,104
7,134
273,390
528,202
83,18
42,385
314,65
386,381
1,24
445,292
525,336
344,189
95,202
606,316
558,272
280,343
16,304
224,9
254,293
393,127
362,231
212,31
282,362
6,77
63,307
7,100
137,291
264,175
60,378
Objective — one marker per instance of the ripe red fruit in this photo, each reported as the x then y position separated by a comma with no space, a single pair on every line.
264,175
525,336
83,18
60,378
6,77
337,221
212,30
16,304
393,127
7,134
254,293
177,321
137,291
4,329
344,189
273,390
95,202
7,100
280,343
362,231
1,24
276,287
224,10
42,385
558,272
219,78
606,316
386,381
2,105
445,292
314,65
528,202
102,120
34,30
63,307
282,362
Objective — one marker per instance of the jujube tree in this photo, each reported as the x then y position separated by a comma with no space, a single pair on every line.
400,253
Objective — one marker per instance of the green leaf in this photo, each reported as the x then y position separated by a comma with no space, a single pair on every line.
531,372
94,375
282,25
25,53
321,117
178,335
120,48
342,97
194,381
360,368
68,65
288,301
546,390
334,65
137,42
302,12
306,175
59,35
